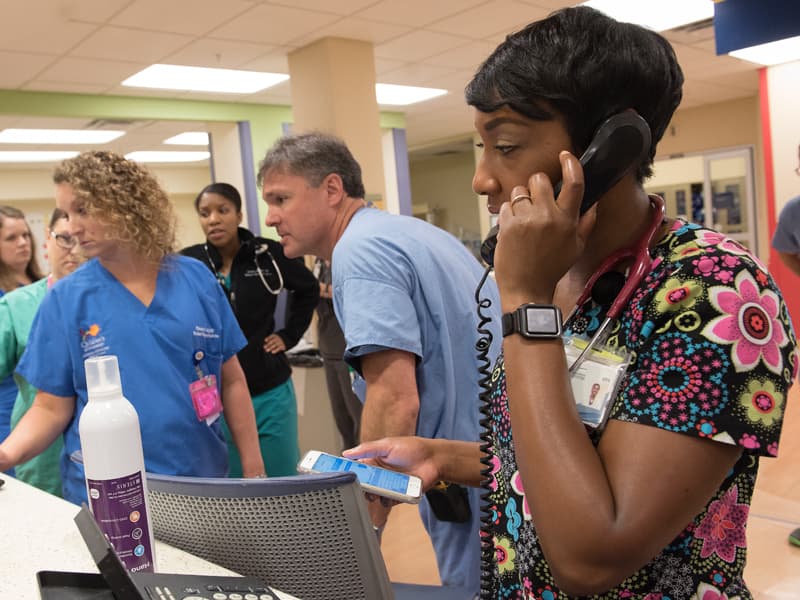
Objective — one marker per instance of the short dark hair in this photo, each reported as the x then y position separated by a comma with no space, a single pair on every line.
226,190
587,67
314,156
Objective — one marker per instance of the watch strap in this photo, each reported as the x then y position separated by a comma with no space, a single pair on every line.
518,322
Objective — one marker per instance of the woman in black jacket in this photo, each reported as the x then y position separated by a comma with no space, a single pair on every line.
253,271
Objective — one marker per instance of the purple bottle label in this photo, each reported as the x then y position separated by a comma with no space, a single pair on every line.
118,507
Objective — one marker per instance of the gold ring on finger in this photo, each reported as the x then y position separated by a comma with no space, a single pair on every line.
520,198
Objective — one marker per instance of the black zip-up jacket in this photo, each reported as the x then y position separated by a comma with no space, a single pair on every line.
254,306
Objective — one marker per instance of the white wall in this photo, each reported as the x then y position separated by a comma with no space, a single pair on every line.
785,119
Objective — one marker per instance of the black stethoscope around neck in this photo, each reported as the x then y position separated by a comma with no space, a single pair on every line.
259,250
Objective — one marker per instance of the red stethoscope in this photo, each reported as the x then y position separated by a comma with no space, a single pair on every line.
640,251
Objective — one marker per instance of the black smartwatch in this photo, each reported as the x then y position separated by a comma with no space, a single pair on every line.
536,321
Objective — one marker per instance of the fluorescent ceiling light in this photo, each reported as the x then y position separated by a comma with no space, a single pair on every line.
58,136
658,15
202,79
189,138
166,156
401,95
24,156
773,53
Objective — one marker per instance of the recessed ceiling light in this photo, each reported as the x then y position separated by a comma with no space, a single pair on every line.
166,156
23,156
658,15
203,79
401,95
58,136
189,138
772,53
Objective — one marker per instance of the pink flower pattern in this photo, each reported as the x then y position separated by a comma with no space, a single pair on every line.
714,369
750,322
723,528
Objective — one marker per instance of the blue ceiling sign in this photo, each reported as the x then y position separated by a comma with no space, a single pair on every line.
743,23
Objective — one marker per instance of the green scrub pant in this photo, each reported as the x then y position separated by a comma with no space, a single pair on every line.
276,420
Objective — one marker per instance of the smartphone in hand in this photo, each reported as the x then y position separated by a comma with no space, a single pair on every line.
376,480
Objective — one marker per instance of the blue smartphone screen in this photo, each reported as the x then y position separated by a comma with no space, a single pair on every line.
382,478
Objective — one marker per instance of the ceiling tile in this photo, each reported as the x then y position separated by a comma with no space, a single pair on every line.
81,70
415,13
90,11
339,7
355,29
53,123
67,87
416,74
223,54
179,16
550,5
418,45
701,92
16,68
469,56
270,24
385,65
271,62
486,19
120,43
26,29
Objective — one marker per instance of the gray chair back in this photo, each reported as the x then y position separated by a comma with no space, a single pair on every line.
308,535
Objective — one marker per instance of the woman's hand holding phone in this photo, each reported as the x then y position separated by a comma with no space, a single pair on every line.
540,239
412,455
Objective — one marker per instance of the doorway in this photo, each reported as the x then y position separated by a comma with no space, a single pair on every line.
713,189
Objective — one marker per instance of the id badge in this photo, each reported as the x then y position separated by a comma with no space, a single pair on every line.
596,381
206,399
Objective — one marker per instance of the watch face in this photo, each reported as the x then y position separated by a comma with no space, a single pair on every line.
542,320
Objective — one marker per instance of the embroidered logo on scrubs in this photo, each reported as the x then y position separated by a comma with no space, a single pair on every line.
92,343
91,331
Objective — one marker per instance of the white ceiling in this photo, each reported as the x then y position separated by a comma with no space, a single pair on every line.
90,46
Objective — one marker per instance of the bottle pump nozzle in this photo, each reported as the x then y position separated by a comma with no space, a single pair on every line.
102,377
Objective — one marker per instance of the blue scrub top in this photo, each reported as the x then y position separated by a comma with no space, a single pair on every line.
91,314
401,283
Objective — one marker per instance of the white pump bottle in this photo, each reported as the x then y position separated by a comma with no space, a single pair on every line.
111,444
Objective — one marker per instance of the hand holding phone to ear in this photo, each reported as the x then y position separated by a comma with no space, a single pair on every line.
540,239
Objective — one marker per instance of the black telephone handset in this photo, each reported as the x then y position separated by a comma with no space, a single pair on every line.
618,146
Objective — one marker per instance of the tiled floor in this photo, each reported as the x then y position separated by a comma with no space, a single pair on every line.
773,569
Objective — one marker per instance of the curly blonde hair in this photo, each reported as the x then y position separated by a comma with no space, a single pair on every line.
7,279
124,196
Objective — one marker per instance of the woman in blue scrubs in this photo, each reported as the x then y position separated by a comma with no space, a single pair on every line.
164,316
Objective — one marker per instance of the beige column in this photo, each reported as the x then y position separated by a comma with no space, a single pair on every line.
333,90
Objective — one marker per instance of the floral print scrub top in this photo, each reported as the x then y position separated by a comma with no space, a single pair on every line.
714,357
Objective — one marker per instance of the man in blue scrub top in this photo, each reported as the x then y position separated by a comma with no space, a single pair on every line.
404,293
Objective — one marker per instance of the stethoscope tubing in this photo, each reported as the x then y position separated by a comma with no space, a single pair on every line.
258,251
642,263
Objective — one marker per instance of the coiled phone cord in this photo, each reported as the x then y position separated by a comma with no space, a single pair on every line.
482,347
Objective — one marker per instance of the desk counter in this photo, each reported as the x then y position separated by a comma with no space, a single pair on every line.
39,534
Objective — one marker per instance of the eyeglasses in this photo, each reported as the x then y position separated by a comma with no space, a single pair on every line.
64,240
